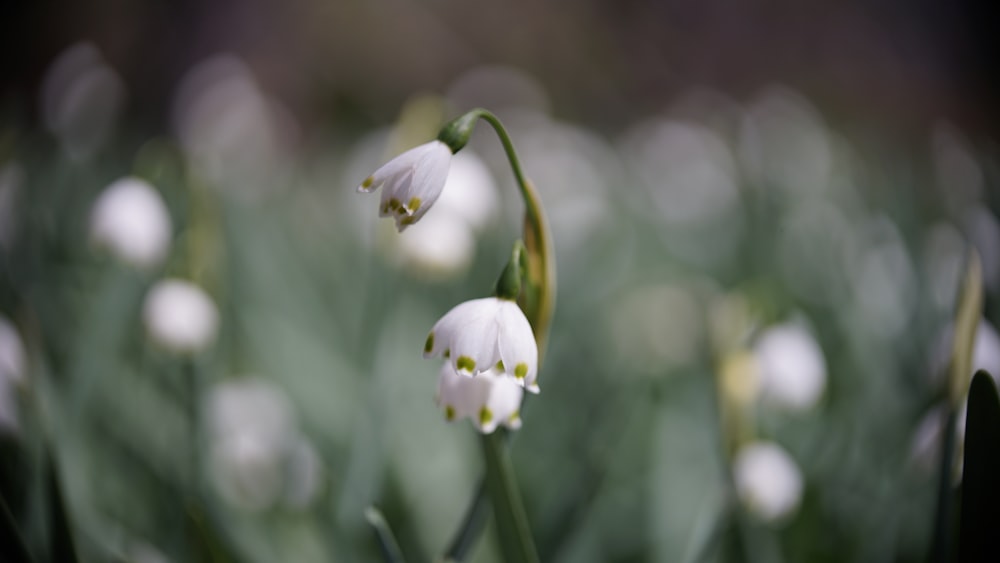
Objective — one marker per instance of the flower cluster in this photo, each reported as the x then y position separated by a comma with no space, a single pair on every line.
490,351
491,356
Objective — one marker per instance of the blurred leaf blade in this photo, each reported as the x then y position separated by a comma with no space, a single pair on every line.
980,486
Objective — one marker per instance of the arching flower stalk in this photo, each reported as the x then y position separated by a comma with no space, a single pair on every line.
493,345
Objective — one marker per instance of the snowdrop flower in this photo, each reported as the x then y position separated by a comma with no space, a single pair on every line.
130,219
180,316
483,334
791,367
489,399
412,182
767,480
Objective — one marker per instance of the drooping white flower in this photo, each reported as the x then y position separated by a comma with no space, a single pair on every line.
180,316
412,182
130,219
768,480
481,334
489,399
791,367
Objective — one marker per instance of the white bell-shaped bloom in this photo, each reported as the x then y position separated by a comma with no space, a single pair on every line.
768,480
490,399
481,334
791,367
412,182
180,316
131,220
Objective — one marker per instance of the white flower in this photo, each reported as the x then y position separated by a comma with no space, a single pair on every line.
767,480
180,316
130,219
481,334
792,370
413,181
489,399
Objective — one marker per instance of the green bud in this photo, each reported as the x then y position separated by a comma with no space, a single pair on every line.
456,133
509,283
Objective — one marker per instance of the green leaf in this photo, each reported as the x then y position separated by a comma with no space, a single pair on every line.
980,513
383,534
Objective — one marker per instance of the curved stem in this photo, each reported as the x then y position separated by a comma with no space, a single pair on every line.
540,296
538,302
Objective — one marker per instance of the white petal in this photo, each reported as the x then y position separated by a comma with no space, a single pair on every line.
460,396
504,400
462,332
429,179
402,163
516,343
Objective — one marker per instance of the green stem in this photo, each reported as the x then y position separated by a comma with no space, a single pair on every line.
508,509
538,302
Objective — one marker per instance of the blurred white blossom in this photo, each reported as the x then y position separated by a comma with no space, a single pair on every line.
235,136
791,367
768,480
469,193
439,247
258,456
131,220
784,143
12,374
180,316
82,97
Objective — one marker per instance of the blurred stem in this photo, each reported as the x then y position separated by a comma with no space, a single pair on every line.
383,534
472,526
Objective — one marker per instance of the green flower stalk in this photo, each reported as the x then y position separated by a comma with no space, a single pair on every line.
493,345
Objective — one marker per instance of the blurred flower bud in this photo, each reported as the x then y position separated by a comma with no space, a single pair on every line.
791,367
180,316
130,219
767,480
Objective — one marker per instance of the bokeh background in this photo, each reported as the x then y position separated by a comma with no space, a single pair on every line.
761,216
